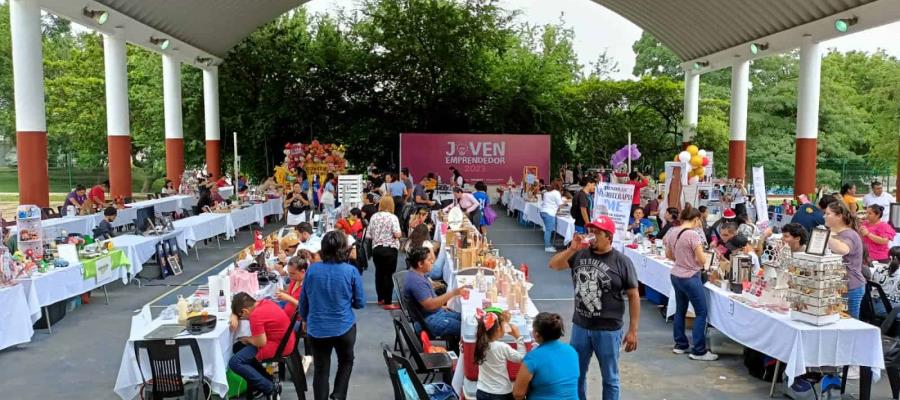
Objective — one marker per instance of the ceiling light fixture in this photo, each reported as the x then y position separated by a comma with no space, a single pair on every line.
755,48
100,16
162,43
843,25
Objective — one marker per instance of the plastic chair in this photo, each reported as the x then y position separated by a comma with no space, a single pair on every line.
49,213
428,364
151,196
165,366
867,308
292,361
414,313
398,363
392,372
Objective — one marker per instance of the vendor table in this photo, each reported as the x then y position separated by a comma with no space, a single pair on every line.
246,216
204,226
516,202
215,348
167,204
139,249
565,227
532,212
226,191
16,317
53,227
798,345
273,207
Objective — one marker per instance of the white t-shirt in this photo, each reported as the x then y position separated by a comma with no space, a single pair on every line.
493,376
884,200
738,196
551,202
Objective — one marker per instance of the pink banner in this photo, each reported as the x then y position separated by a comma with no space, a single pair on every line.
491,158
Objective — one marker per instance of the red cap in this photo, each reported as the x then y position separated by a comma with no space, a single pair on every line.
729,213
603,223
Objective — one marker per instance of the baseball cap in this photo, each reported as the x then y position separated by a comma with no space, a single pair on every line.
603,223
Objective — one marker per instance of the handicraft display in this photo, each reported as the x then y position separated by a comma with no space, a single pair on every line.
817,288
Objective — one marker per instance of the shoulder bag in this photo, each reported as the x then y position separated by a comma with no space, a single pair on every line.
704,275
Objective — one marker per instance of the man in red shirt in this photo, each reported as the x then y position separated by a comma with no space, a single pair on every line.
639,181
268,325
97,195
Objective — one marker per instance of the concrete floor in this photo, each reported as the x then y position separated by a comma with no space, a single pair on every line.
81,358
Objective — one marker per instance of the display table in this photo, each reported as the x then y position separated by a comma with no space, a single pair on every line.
203,226
226,191
246,216
16,317
516,202
167,204
80,224
654,272
215,348
139,249
565,227
273,207
532,213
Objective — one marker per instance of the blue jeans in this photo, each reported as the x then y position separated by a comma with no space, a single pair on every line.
444,322
580,229
243,363
481,395
690,290
549,228
605,345
854,300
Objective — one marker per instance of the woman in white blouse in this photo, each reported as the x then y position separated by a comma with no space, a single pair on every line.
384,230
549,206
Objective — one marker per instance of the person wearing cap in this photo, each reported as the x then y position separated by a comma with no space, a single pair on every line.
715,231
602,277
684,245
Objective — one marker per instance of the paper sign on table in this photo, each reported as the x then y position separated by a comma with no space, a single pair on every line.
69,253
104,269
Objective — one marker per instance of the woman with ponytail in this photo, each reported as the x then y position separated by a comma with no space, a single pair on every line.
886,275
549,372
845,241
492,355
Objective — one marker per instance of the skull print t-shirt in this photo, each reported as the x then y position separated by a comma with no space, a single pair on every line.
600,282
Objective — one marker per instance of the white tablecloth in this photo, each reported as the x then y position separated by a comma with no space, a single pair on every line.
215,349
56,285
798,345
238,219
226,191
204,226
274,207
167,204
81,224
516,202
140,249
565,227
16,317
533,213
655,273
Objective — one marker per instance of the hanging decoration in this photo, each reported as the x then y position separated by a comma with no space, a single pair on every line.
315,158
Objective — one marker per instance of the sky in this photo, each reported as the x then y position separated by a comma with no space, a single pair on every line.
598,29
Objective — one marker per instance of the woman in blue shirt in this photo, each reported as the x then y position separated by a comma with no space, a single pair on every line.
331,290
549,372
483,199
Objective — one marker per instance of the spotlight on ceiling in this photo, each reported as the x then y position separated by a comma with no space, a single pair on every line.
701,64
844,24
207,61
755,48
100,16
162,43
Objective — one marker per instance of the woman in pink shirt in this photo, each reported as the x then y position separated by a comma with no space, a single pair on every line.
876,234
684,245
466,201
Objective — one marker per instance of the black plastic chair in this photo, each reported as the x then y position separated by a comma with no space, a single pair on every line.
49,213
395,364
165,367
867,308
129,200
151,196
292,361
428,364
161,195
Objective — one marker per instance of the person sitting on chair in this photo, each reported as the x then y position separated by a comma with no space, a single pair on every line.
419,293
104,230
268,324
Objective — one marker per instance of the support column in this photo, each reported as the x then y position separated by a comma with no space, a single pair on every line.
211,121
28,88
737,143
807,118
172,108
691,107
117,125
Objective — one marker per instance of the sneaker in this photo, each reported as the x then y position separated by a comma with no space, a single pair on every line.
391,307
679,351
549,249
708,356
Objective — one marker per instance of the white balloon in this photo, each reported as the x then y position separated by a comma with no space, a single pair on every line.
694,180
702,153
684,156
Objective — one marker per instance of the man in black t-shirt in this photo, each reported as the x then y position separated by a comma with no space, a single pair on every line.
602,277
581,205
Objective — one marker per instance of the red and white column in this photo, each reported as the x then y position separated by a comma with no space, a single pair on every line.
172,109
691,106
737,143
807,118
211,121
28,88
117,125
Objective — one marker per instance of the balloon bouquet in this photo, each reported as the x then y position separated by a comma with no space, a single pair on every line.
697,159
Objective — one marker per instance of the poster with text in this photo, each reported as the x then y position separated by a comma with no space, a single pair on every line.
492,158
614,200
759,192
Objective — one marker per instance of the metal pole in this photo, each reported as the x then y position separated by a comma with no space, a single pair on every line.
897,173
629,152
